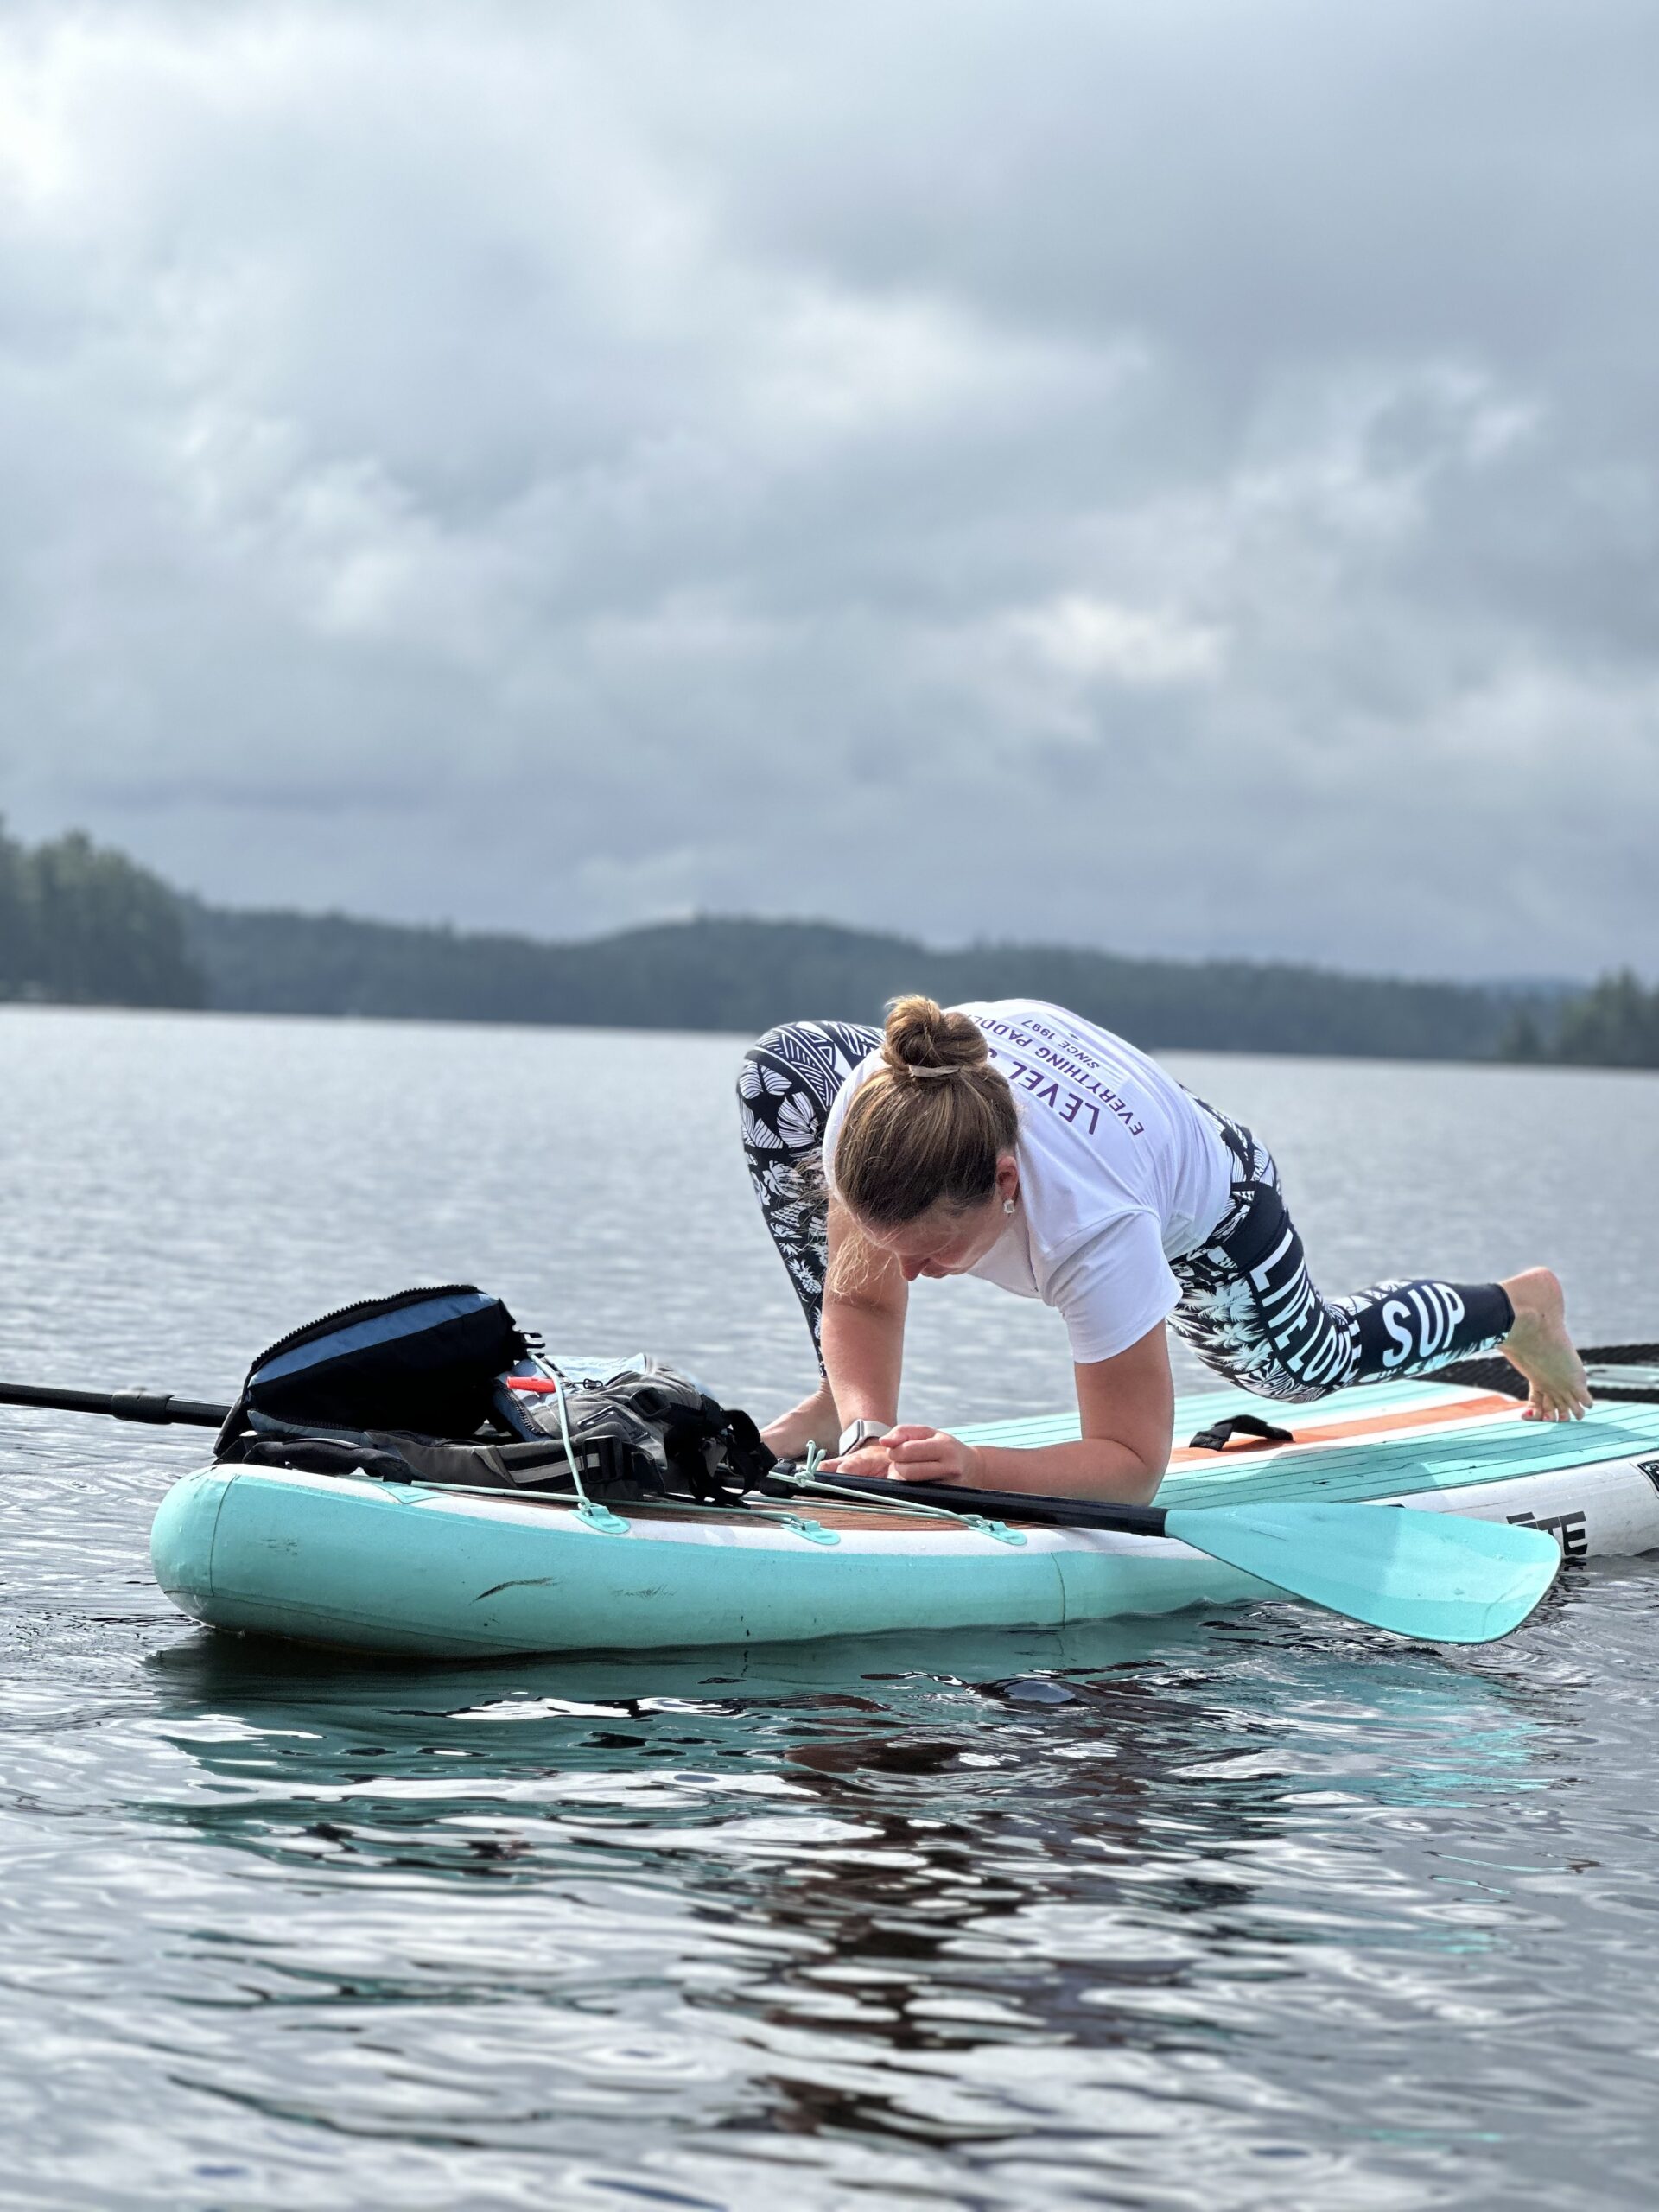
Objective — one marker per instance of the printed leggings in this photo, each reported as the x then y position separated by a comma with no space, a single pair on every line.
1248,1307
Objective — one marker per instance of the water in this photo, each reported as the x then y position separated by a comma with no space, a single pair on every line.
1250,1910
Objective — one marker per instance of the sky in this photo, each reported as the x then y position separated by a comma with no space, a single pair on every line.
1182,479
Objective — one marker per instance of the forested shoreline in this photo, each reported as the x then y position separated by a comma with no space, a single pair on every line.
82,924
739,975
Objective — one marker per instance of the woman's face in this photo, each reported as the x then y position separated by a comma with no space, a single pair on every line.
950,1239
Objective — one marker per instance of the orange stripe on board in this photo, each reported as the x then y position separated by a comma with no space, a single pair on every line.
1469,1409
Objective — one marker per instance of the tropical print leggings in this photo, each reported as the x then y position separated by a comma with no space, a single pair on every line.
1248,1307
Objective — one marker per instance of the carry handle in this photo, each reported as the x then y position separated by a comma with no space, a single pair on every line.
1261,1433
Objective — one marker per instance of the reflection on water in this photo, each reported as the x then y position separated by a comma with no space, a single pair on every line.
1003,1912
1255,1910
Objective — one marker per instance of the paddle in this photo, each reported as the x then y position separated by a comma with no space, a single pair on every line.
1429,1575
153,1406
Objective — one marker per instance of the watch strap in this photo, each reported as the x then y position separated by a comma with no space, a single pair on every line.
858,1433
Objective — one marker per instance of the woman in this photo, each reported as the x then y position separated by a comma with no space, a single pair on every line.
1014,1140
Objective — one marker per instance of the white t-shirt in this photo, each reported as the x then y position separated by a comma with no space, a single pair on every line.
1120,1172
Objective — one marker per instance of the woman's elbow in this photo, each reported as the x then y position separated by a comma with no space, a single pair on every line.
1145,1483
1130,1478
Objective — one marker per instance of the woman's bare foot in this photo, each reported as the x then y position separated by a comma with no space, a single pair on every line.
813,1421
1540,1346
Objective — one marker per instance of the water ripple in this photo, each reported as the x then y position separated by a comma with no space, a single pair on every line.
1251,1910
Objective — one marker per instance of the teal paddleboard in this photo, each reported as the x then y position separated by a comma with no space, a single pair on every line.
357,1564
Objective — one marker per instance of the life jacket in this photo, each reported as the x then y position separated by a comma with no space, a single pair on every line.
669,1436
442,1386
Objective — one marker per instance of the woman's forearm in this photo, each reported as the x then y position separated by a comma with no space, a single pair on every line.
1095,1467
1125,1413
863,1346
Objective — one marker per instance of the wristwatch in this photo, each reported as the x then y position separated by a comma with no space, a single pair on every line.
858,1433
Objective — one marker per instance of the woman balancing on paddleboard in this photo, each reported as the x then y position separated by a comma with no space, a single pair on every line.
1015,1141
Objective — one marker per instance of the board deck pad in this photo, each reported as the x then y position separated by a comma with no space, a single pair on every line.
1457,1440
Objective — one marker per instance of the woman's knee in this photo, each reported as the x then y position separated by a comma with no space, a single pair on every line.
1266,1378
1221,1336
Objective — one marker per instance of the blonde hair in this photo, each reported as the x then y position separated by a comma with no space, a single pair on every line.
930,1125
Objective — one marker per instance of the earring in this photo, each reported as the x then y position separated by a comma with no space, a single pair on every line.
1008,1205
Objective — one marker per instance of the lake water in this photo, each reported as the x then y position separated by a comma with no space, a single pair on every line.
1248,1909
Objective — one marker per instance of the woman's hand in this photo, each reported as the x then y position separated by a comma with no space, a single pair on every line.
870,1460
929,1455
911,1455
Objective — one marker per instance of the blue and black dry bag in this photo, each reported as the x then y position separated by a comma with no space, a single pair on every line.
427,1361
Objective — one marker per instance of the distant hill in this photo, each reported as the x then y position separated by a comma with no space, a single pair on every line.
81,924
744,975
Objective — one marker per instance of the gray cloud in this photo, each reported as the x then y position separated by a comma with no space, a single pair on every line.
1178,478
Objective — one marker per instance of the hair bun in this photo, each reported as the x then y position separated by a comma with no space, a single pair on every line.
906,1144
922,1040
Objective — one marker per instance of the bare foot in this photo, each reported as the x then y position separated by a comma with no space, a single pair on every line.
1540,1346
813,1421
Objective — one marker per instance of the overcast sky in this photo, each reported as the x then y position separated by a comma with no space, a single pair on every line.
1182,478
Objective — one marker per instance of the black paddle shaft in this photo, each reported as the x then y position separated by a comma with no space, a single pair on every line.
156,1406
1008,1505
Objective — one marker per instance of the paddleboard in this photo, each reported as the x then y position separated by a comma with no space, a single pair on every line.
362,1564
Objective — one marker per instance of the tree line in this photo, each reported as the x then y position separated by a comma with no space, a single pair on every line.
85,926
81,926
1615,1024
743,976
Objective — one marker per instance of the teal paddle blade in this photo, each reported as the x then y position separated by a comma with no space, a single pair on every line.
1430,1575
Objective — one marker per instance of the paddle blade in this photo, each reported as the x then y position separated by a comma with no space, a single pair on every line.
1430,1575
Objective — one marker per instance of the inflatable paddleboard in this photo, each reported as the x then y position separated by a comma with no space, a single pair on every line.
370,1566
